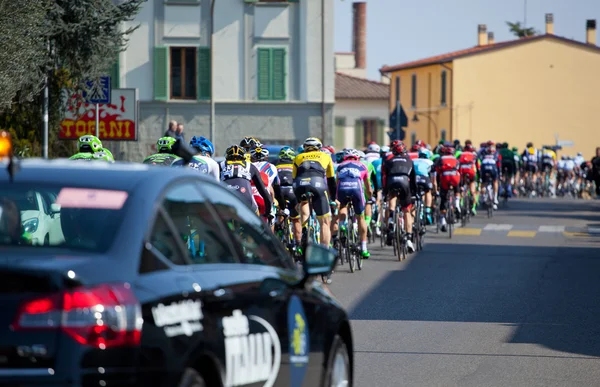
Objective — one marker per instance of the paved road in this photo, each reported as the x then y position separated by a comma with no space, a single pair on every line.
511,301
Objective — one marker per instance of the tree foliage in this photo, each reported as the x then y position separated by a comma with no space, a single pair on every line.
520,31
68,41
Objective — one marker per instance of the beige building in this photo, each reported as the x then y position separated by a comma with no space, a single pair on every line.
361,105
544,89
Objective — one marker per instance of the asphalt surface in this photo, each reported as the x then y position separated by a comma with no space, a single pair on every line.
509,301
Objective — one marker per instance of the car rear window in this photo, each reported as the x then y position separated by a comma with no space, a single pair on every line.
76,218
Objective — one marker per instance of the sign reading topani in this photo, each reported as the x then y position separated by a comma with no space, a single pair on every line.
118,119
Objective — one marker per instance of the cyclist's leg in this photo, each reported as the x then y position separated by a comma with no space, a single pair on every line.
359,204
321,207
495,184
292,206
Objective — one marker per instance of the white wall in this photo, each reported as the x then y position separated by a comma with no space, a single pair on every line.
229,51
136,61
354,110
344,61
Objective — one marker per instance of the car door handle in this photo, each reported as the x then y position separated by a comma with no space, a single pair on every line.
223,294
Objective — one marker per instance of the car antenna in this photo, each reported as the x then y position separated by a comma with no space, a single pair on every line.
6,150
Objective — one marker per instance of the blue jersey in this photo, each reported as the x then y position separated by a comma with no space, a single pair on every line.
422,167
198,164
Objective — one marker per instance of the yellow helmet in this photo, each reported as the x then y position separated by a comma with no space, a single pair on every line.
235,152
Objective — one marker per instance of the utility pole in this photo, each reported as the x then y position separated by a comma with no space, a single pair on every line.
525,14
45,110
212,72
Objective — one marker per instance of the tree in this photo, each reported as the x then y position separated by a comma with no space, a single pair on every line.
519,31
67,40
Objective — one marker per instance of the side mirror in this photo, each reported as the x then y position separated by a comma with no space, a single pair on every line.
320,260
54,208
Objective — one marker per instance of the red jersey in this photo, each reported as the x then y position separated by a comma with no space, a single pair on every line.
413,155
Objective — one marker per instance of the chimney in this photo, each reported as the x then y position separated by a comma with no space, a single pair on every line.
359,35
549,24
481,35
590,28
491,39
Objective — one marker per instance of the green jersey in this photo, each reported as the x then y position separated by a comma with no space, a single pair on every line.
166,159
508,156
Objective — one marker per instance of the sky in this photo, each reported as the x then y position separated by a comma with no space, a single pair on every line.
400,31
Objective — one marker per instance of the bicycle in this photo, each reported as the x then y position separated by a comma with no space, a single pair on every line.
488,195
349,241
419,224
383,223
285,230
505,180
450,210
467,199
400,235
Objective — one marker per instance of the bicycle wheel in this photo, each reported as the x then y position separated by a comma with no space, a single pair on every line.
417,226
399,235
357,251
450,215
351,241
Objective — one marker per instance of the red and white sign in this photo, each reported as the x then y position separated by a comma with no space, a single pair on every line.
118,120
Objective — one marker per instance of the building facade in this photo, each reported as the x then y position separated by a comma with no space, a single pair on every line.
542,89
273,71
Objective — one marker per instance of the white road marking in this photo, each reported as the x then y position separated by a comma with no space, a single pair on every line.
551,229
498,227
593,230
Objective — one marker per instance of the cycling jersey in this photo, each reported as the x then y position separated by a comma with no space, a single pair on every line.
468,165
489,166
352,176
413,155
163,159
372,175
270,170
237,175
377,166
206,165
372,156
549,156
286,181
313,172
398,174
422,172
448,172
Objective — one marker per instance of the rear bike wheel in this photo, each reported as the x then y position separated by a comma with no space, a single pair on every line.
417,226
399,235
350,246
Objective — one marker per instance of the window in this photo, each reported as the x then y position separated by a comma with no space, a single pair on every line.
272,67
251,238
414,91
271,1
163,239
181,73
397,89
369,133
413,138
443,88
443,134
196,226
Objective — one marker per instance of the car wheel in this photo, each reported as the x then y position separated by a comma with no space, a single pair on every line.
47,240
337,373
191,378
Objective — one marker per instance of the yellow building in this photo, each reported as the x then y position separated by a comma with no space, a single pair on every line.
544,89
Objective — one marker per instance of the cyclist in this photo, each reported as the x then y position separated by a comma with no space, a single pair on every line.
313,172
469,170
448,173
330,150
248,143
531,158
164,155
490,164
423,175
203,161
438,147
353,186
285,166
260,157
373,152
457,146
509,167
239,175
414,152
399,183
377,163
90,147
372,182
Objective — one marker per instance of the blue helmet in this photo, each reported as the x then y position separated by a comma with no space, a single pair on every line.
203,145
300,149
424,153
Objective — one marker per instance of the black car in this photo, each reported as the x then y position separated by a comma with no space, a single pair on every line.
156,276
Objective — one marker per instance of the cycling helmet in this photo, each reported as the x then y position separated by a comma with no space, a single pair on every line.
105,155
456,143
505,145
339,157
329,149
361,154
447,150
89,144
287,153
312,144
235,152
515,149
373,147
415,148
259,154
165,144
563,157
579,154
385,149
491,149
203,145
350,154
424,153
468,142
394,143
468,148
529,145
249,142
399,148
483,145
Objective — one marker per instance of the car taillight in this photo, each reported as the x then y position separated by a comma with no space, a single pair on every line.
101,316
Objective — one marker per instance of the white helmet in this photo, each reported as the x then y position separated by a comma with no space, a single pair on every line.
361,154
373,148
385,149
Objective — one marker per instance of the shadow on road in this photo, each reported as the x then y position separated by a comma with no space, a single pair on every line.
550,295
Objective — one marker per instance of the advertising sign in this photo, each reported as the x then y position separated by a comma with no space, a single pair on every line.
118,119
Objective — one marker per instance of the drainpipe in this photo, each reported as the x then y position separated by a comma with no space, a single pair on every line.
323,129
451,99
212,73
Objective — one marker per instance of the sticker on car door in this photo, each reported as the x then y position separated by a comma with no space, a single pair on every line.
299,341
250,357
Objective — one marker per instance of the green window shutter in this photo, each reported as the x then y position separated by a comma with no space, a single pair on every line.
358,134
264,73
278,75
203,75
115,75
161,73
381,132
340,132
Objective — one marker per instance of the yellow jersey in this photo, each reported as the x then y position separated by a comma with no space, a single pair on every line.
314,163
549,153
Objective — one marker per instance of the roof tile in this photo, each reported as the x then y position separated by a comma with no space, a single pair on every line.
349,87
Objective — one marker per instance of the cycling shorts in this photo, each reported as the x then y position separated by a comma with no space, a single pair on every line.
400,186
424,183
547,166
449,179
468,173
489,173
244,189
318,187
289,198
508,169
531,167
350,193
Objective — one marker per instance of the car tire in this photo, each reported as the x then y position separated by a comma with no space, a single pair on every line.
47,240
191,378
338,371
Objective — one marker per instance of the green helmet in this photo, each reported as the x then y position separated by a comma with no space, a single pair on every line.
89,144
165,144
82,156
105,155
287,153
515,149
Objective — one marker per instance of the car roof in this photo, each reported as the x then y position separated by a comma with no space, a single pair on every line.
117,176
